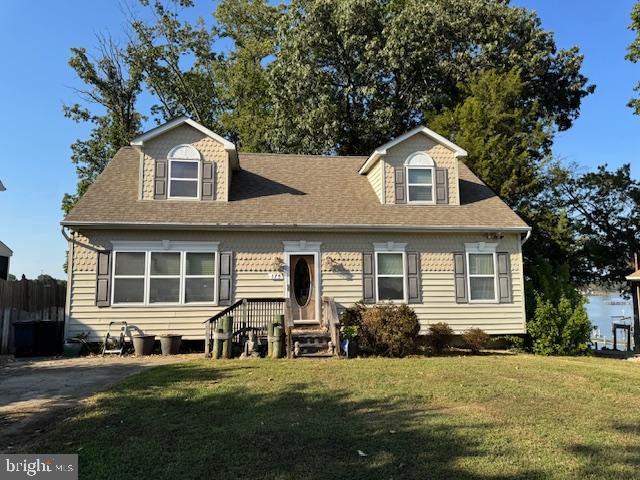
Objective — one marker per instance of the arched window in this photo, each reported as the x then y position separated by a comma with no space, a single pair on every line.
419,169
184,172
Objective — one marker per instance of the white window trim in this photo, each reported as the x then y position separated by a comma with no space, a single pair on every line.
486,249
149,277
198,180
391,247
195,159
185,276
165,246
115,277
427,164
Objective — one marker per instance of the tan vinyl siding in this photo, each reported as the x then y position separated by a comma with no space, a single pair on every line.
255,257
210,150
376,179
442,156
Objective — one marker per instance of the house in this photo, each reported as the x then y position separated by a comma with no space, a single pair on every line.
181,225
5,256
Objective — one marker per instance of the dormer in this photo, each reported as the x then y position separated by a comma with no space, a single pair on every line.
417,168
183,161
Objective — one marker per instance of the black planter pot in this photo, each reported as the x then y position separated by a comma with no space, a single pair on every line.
143,344
170,344
350,347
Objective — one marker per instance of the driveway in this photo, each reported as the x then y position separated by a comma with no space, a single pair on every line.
34,392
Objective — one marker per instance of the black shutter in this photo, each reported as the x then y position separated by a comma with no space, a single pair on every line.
208,191
160,180
400,187
368,278
504,278
413,277
460,278
225,278
103,278
442,186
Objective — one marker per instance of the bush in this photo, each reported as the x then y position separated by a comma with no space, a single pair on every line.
352,316
561,328
440,335
476,339
387,330
513,343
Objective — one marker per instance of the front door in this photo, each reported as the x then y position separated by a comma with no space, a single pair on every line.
302,288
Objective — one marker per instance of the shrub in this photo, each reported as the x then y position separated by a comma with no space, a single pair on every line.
388,330
513,343
352,316
440,335
476,339
561,328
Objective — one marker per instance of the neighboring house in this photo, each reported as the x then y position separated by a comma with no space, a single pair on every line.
5,257
185,225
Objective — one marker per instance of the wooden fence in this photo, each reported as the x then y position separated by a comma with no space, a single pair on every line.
31,316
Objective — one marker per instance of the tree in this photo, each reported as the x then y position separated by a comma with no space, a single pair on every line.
113,85
604,207
350,75
633,52
251,25
506,139
180,67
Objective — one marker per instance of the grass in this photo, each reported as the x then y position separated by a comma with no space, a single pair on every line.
484,417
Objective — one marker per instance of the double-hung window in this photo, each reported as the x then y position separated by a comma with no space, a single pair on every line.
199,277
184,172
420,172
164,277
481,264
129,277
390,276
177,275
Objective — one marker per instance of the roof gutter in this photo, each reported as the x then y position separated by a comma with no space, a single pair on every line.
76,242
296,226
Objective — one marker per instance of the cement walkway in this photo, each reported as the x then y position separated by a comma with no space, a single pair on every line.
34,392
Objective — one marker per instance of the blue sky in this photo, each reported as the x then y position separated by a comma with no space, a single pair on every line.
36,36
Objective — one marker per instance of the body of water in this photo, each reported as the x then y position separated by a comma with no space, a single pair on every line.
602,308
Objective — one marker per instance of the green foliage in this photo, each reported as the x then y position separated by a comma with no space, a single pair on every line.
633,52
179,65
349,332
476,339
514,343
560,327
388,330
114,84
604,209
502,131
251,25
440,336
349,75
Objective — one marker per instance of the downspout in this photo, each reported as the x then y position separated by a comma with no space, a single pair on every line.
76,242
527,236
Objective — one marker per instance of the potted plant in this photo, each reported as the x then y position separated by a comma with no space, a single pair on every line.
349,340
73,346
143,344
170,343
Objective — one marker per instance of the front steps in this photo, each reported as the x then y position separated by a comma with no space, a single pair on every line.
312,343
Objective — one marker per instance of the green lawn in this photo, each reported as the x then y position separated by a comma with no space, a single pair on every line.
483,417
